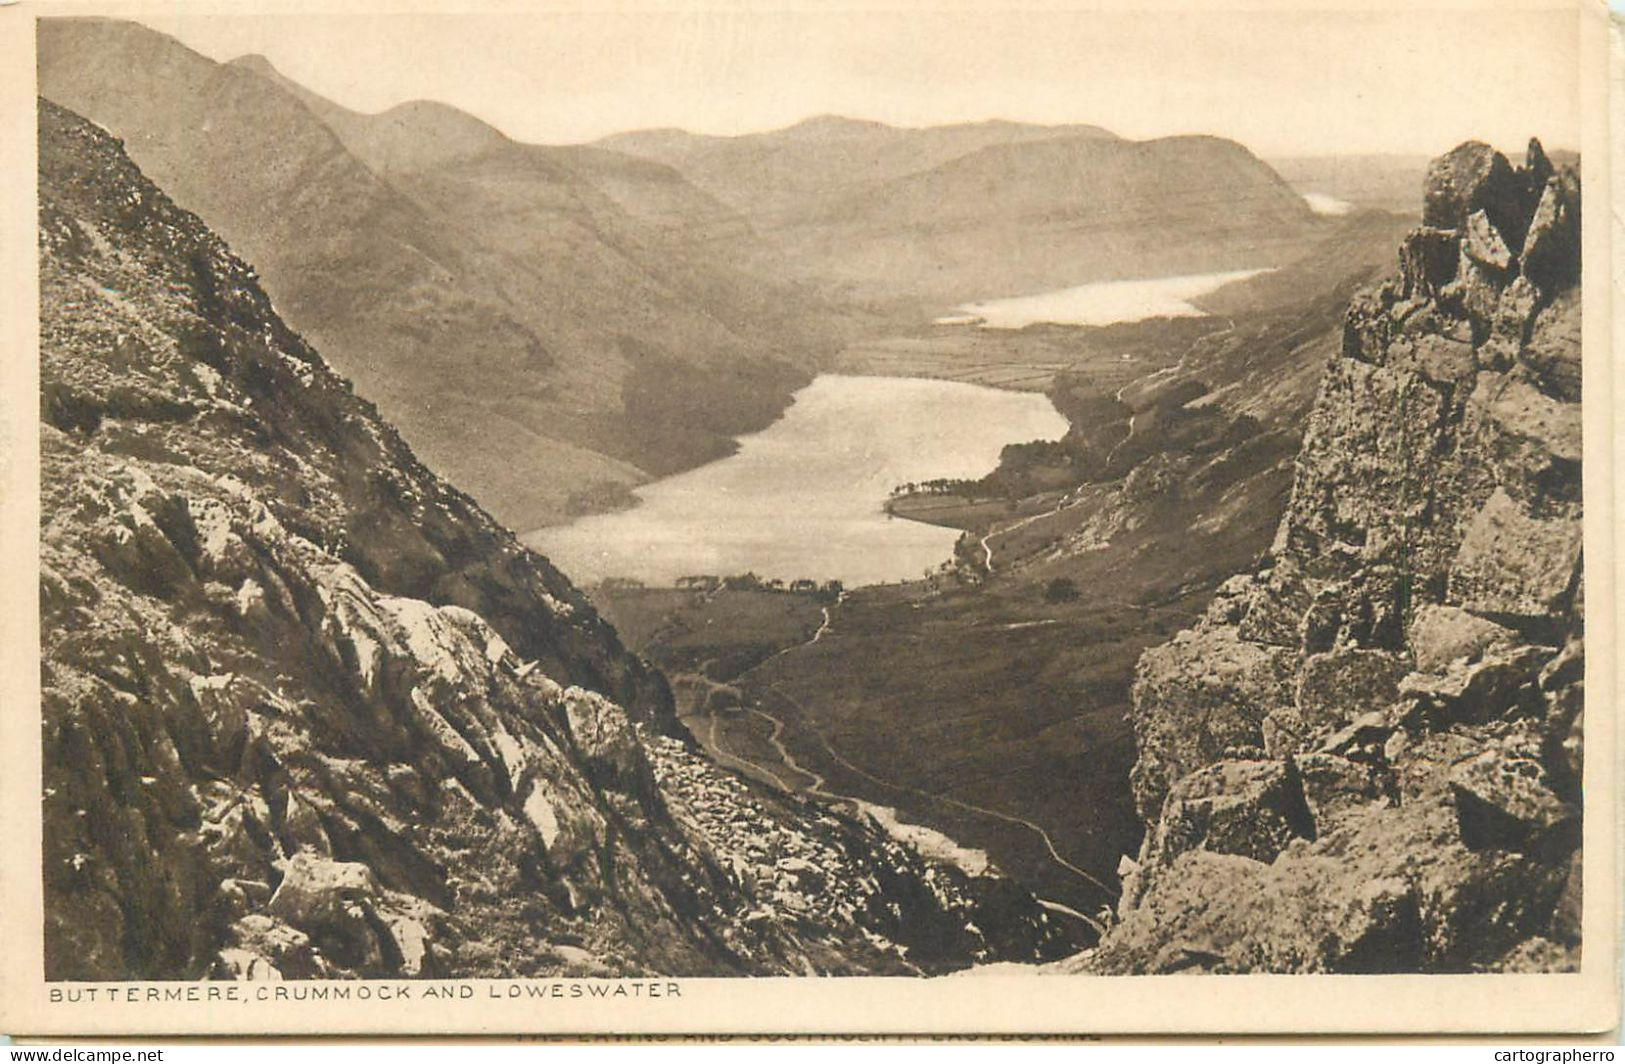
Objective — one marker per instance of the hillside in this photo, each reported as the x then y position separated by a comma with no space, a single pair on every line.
1367,755
512,308
1371,182
1013,219
311,712
771,177
927,218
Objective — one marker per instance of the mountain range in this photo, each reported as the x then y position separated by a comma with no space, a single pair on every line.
942,215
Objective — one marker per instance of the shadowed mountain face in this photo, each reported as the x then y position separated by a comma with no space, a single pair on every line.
308,711
539,322
936,216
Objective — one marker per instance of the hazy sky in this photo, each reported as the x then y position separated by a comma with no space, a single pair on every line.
1300,83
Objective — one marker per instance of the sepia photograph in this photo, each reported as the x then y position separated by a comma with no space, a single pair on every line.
625,508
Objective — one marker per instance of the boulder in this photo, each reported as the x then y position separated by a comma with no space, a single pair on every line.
1367,326
1515,565
608,743
1196,697
1509,326
1503,803
1365,734
1334,786
1477,290
1275,606
1475,177
1523,413
1552,353
1498,685
1551,252
1440,635
1342,684
1515,312
1478,905
1428,260
1484,244
333,902
1223,913
1435,357
266,949
1248,808
1230,600
1544,482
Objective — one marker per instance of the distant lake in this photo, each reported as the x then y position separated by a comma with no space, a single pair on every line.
1321,203
804,497
1101,303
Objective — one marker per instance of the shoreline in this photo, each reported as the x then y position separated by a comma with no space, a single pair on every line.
810,501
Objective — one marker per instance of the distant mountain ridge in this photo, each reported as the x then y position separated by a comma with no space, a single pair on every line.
768,175
551,326
945,214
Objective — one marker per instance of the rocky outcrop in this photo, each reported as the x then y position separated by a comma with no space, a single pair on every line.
1366,757
309,712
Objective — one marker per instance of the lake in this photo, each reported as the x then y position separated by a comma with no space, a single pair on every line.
805,496
1100,303
1331,206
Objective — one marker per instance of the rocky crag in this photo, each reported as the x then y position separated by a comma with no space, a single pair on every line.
1367,755
308,711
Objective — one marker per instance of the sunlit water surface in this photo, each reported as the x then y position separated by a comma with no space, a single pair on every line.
1100,303
805,496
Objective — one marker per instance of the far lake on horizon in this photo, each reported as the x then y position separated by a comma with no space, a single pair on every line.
1100,303
804,497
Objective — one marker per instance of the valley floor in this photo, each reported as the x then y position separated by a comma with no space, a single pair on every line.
989,702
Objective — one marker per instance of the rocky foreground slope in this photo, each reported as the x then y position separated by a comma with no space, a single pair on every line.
1367,756
309,711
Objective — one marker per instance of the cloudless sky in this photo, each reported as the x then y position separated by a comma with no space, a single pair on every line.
1283,83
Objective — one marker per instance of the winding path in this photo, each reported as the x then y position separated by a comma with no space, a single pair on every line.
722,753
1049,844
817,786
1004,530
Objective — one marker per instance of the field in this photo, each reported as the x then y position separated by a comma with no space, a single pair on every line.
703,639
